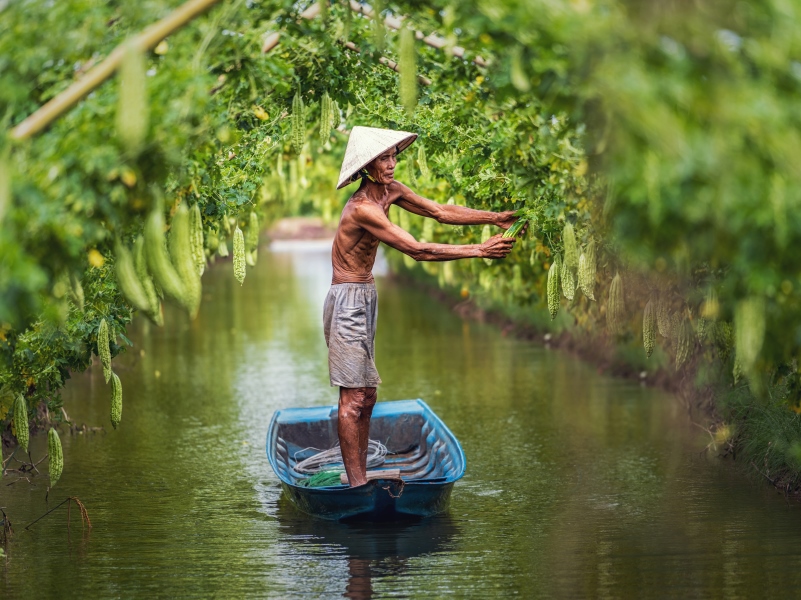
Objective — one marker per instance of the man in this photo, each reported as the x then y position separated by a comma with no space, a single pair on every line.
351,307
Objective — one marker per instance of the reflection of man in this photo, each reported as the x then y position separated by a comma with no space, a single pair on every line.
351,307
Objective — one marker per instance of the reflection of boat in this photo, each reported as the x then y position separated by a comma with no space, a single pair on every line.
373,549
419,444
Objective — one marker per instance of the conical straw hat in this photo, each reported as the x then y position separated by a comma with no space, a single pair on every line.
368,143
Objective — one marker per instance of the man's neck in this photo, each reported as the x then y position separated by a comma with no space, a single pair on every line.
373,190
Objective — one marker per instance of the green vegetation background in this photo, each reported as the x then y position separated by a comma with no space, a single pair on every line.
665,132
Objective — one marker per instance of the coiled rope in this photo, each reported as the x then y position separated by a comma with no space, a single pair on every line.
326,459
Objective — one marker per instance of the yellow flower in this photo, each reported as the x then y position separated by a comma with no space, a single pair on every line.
128,177
96,259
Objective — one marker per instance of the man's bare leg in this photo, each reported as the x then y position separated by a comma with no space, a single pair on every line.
353,426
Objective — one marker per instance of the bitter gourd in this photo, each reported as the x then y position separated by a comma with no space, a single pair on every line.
140,265
104,348
663,321
615,306
55,456
183,259
326,117
158,262
410,170
129,283
570,261
239,255
408,70
298,123
196,237
222,248
21,422
422,162
586,271
116,400
252,239
649,327
568,281
553,287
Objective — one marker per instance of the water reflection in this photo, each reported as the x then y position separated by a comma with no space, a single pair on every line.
373,550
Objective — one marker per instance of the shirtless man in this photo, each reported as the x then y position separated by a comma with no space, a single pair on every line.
351,307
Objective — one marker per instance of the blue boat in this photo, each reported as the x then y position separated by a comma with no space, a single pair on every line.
419,444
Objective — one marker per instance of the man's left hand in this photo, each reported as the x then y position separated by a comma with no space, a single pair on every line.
505,219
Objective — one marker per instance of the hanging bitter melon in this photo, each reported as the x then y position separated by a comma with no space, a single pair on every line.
182,254
649,327
663,320
422,162
55,456
326,117
21,430
586,271
140,265
252,239
571,257
298,123
615,306
553,287
116,400
129,282
239,255
567,280
158,261
196,237
408,70
104,348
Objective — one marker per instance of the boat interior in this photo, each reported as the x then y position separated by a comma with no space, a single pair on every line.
421,451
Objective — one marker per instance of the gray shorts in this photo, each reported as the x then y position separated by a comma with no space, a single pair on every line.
349,321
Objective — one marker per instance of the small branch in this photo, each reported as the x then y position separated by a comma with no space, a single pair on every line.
81,507
17,481
47,513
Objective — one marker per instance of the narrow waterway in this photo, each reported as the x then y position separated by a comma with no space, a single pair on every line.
577,485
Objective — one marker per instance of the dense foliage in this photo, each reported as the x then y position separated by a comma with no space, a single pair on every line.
661,134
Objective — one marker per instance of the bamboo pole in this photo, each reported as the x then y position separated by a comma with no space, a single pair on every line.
146,40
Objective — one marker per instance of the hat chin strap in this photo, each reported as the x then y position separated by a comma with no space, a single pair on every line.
364,173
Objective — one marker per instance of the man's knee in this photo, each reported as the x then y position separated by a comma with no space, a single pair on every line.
357,401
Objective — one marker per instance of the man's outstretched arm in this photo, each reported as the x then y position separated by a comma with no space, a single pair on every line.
450,214
372,218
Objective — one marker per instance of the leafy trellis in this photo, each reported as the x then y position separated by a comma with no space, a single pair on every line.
662,133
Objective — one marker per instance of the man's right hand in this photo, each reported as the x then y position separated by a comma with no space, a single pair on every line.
497,246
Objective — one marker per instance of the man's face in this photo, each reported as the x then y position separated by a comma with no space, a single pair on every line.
382,168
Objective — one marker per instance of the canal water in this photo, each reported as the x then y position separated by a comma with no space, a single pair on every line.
577,485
